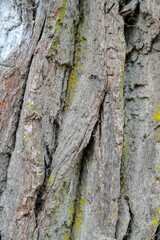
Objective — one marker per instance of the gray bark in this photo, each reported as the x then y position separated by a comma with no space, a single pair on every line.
79,120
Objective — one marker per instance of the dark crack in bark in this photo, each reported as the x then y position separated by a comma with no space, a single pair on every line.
47,163
129,228
129,11
82,164
42,30
157,233
21,105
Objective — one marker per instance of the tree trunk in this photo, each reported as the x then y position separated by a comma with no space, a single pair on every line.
80,120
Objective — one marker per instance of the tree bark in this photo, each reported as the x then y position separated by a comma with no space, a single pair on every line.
79,120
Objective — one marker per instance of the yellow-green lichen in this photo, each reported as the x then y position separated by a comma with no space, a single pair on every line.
81,47
65,233
51,178
156,118
125,147
125,154
122,37
79,217
153,224
58,27
123,185
72,85
71,214
64,209
114,212
157,115
33,111
155,220
26,138
121,87
75,73
62,11
125,159
54,45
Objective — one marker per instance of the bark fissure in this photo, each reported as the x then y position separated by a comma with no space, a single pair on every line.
157,233
42,30
80,21
21,105
47,170
79,198
129,228
34,9
64,96
129,8
100,119
78,193
128,12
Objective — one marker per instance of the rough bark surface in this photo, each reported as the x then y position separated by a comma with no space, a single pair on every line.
79,120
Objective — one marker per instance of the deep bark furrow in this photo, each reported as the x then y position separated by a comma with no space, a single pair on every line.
42,30
129,228
78,193
48,168
79,196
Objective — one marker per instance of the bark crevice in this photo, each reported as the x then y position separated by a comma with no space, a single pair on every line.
21,105
157,233
79,198
129,228
48,169
129,10
42,30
